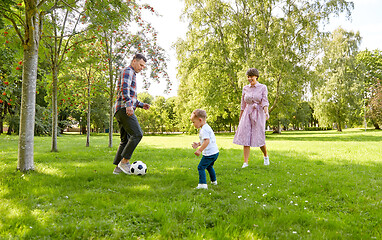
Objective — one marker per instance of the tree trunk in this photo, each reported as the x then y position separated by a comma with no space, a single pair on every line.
88,119
9,132
28,97
339,127
111,105
54,109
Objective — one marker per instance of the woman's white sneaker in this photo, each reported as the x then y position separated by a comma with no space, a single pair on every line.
266,160
244,165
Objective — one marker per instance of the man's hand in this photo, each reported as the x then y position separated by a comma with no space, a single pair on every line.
130,111
146,106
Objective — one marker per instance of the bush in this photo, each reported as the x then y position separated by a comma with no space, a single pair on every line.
43,121
317,128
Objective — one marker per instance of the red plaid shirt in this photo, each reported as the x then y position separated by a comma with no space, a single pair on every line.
126,90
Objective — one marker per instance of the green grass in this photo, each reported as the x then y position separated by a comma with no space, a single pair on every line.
320,185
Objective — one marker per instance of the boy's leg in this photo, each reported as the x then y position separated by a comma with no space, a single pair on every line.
203,164
210,167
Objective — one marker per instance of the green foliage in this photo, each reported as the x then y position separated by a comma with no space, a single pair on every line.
320,185
224,39
99,113
10,73
317,128
339,99
161,116
43,123
369,66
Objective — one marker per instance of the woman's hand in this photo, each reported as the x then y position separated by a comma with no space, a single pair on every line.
266,115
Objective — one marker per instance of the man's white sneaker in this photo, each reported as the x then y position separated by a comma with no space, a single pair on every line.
244,165
214,182
125,167
202,186
117,170
266,160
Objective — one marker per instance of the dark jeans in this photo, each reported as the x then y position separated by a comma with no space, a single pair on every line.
207,162
131,135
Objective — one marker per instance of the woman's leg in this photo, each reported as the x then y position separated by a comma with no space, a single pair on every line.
247,150
264,150
265,153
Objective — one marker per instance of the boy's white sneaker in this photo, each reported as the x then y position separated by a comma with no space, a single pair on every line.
244,165
202,186
266,160
214,182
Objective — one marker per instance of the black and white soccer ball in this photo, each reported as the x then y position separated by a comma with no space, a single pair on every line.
138,168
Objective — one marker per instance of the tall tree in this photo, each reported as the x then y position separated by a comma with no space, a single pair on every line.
10,74
29,29
62,25
338,99
225,38
122,31
87,67
369,67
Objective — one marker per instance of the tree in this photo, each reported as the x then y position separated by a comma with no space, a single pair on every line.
122,31
87,68
30,40
225,38
64,23
375,105
338,99
369,66
10,77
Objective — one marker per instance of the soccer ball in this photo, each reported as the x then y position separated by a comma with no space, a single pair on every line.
138,168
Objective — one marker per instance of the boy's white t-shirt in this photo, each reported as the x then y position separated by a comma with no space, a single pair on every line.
206,132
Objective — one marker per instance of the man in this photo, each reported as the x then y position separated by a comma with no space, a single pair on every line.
125,105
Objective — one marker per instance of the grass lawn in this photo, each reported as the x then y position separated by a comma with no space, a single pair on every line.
319,185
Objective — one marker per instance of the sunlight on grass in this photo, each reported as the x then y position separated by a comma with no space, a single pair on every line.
141,187
49,170
10,209
174,168
319,185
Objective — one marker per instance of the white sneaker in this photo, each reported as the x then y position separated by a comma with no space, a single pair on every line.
125,167
266,160
202,186
214,182
244,165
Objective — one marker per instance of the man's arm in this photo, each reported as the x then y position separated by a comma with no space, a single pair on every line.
127,78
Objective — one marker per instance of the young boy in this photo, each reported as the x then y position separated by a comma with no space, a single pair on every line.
207,145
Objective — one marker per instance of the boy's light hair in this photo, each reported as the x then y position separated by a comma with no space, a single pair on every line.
199,113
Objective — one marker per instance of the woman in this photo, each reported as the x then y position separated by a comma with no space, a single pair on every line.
253,115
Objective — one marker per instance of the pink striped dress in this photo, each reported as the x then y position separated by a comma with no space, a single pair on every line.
251,129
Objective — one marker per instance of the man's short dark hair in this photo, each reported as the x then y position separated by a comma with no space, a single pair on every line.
253,72
139,56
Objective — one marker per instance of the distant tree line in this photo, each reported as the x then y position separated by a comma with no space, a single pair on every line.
315,79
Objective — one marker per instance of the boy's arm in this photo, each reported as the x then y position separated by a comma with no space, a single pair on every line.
202,147
195,145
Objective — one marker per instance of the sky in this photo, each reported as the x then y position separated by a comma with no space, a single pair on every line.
366,18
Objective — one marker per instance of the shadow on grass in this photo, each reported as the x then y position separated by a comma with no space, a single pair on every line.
73,194
328,136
